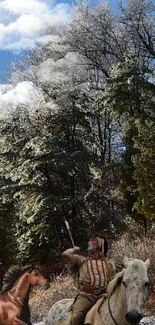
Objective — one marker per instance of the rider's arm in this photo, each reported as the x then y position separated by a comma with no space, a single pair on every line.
71,256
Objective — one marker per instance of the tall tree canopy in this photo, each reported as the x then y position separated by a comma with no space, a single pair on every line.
83,149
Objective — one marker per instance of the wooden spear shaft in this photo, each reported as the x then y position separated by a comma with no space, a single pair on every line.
70,235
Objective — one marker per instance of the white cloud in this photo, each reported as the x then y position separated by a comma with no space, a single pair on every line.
24,93
24,6
23,97
25,22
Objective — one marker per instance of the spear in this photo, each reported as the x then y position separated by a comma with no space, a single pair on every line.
68,229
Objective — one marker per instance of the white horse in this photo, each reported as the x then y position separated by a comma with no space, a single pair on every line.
126,295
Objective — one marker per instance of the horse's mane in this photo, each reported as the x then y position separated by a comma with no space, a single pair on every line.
115,282
13,273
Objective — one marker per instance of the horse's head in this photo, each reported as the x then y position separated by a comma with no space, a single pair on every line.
134,283
36,278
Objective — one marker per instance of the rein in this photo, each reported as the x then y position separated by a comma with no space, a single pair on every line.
111,312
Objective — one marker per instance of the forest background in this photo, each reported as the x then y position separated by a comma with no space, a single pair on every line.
84,148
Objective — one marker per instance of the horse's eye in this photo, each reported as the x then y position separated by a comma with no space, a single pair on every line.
124,283
147,284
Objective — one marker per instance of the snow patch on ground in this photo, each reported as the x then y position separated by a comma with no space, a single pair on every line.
148,320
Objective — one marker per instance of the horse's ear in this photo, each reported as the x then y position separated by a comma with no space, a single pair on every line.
36,266
147,263
115,282
125,261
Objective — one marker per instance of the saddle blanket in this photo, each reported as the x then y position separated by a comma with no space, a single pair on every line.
93,316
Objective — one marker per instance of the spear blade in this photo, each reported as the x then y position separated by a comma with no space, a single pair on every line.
68,229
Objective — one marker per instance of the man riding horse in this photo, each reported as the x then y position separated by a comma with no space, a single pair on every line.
94,271
122,304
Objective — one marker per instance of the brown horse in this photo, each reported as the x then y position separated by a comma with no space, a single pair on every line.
11,302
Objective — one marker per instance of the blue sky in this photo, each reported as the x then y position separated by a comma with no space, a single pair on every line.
25,22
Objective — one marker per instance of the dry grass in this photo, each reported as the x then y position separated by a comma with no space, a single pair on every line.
41,300
133,246
130,245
